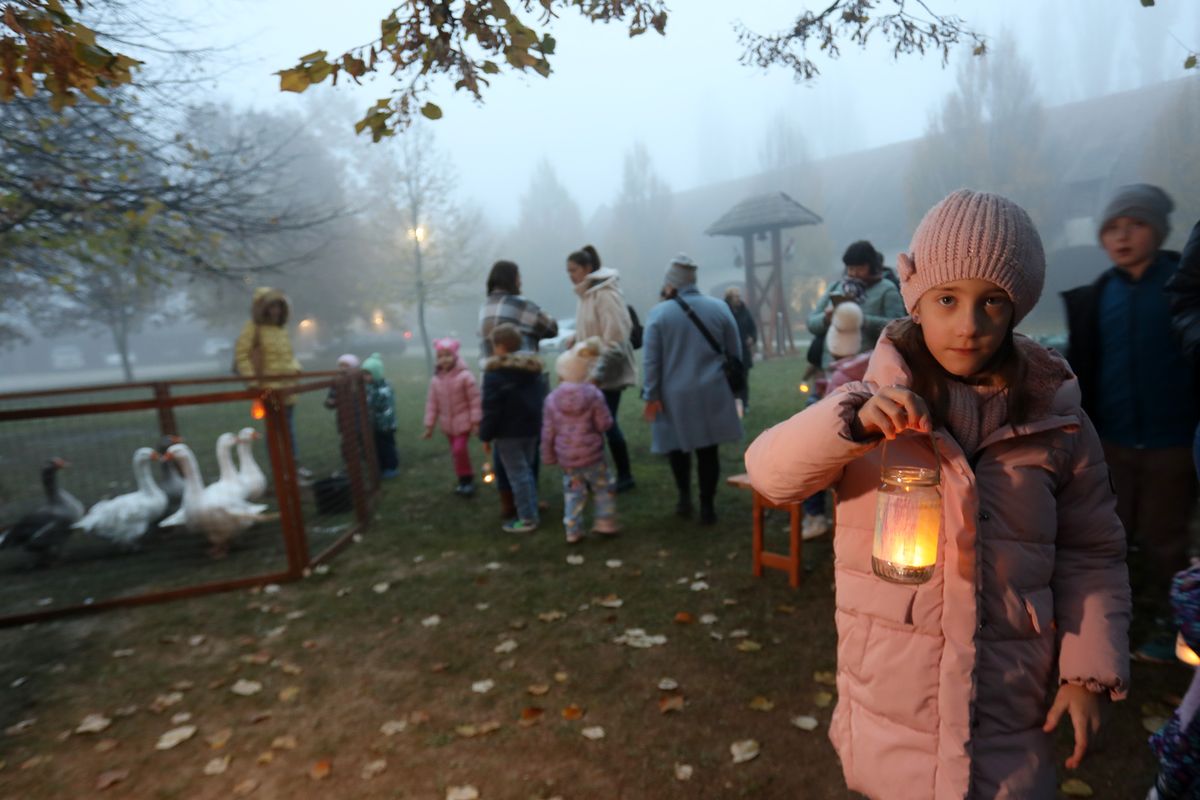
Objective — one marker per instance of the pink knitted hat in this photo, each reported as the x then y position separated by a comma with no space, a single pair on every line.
975,235
446,343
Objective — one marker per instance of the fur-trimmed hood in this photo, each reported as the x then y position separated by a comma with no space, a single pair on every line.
1054,389
526,362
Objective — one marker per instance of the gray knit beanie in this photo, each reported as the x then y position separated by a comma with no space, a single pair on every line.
975,235
681,272
1140,201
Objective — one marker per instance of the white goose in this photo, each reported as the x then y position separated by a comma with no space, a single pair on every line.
126,518
250,475
227,483
211,510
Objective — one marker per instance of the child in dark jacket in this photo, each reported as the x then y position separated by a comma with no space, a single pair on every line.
381,401
573,425
513,391
1177,744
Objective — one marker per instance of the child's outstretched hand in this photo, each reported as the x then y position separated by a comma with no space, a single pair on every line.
891,411
1084,708
428,434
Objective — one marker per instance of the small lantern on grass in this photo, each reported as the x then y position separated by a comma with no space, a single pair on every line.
908,521
489,475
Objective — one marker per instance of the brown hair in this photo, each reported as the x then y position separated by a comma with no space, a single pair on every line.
1008,367
586,257
504,277
507,336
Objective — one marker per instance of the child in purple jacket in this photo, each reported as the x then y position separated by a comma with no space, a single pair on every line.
574,420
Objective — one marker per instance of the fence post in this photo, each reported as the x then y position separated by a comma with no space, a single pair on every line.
353,430
287,492
368,439
166,412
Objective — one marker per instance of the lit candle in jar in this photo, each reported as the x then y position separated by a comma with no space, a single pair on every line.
1184,653
908,522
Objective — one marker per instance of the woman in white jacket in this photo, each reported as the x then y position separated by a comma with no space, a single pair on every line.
602,312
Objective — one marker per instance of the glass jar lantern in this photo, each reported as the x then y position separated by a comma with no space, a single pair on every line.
908,521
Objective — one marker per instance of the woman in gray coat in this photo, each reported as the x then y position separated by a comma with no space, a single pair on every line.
688,400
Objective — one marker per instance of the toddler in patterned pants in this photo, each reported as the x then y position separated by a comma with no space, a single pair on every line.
574,420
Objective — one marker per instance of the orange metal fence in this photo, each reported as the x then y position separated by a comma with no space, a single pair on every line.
97,428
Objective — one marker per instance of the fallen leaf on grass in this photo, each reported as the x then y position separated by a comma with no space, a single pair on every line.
432,621
698,586
257,659
574,559
805,723
670,703
825,678
175,736
125,711
761,703
492,566
245,788
551,616
668,684
20,727
373,768
538,689
125,652
381,587
393,726
530,716
745,750
418,717
165,701
483,687
35,762
560,677
289,669
93,723
740,633
708,619
246,688
595,733
783,608
609,601
517,624
181,718
1073,787
636,637
573,712
684,618
320,770
613,563
265,757
823,699
220,738
507,646
283,743
259,716
183,686
683,772
217,766
106,745
470,731
111,778
1153,724
749,646
288,694
462,793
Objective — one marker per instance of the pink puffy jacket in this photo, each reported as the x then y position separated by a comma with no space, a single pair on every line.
453,400
943,688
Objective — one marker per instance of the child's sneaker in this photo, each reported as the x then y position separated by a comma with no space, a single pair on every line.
814,526
520,526
607,527
465,489
574,538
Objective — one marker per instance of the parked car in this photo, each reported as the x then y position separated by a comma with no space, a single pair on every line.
566,331
66,356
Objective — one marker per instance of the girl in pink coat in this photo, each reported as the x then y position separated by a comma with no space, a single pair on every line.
951,688
453,402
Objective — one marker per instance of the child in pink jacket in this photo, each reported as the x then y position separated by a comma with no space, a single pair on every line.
574,420
951,688
453,402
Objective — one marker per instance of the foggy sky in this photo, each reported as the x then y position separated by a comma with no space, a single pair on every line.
700,113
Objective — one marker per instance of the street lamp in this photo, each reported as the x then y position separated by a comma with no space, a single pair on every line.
417,234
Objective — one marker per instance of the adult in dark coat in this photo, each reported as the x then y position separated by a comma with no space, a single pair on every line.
1139,390
747,332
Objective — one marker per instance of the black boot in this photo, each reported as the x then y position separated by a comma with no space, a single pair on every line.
466,486
681,470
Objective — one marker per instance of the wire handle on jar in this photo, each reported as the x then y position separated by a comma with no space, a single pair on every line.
937,459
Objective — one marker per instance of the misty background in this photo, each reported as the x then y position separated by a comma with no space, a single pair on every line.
633,145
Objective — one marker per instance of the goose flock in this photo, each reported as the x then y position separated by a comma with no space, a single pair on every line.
177,497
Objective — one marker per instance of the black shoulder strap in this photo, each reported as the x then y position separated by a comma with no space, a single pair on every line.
696,321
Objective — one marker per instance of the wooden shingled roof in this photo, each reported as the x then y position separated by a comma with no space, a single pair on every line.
762,212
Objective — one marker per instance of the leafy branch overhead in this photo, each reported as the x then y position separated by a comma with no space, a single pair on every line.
910,26
41,42
467,43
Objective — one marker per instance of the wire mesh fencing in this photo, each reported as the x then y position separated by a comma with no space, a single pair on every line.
96,508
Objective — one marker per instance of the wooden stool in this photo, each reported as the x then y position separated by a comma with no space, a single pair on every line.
789,563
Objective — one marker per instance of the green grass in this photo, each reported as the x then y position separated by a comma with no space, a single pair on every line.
367,657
